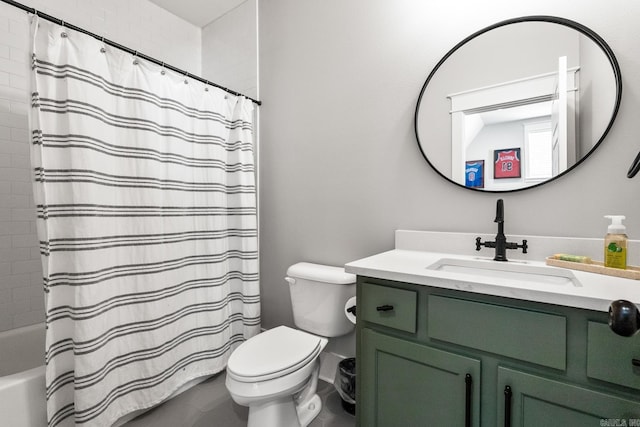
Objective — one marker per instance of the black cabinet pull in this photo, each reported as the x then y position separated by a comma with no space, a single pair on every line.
507,406
635,362
385,307
467,400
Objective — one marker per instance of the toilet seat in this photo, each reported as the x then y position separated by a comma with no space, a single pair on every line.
272,354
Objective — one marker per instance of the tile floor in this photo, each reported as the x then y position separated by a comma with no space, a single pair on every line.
208,404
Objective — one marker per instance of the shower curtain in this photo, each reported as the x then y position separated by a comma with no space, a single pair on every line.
146,198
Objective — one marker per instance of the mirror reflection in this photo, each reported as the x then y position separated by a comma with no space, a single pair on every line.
518,104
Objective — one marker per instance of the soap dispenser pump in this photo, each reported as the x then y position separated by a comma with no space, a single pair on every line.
615,243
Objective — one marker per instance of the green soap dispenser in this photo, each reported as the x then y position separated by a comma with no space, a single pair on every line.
615,243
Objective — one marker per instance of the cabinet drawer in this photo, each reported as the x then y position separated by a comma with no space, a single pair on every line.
530,336
610,356
391,307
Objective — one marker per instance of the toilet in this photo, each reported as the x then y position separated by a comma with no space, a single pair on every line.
275,373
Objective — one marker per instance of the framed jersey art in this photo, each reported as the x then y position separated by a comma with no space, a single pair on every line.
474,174
506,163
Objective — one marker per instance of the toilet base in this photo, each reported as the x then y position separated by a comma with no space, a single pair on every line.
284,413
309,410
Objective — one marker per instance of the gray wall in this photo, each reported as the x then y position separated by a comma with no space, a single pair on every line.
340,168
230,51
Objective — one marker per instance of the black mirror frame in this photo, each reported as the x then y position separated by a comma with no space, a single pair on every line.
536,18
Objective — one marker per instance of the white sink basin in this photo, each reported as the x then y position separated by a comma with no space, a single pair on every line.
514,271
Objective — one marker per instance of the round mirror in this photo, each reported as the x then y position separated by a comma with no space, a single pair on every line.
518,104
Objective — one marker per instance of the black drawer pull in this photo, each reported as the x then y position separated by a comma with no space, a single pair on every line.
467,399
635,362
507,406
385,307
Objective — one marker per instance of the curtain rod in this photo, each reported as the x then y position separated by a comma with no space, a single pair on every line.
121,47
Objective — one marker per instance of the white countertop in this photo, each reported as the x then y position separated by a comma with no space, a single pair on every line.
595,291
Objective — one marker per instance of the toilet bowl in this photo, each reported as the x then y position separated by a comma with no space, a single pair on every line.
275,373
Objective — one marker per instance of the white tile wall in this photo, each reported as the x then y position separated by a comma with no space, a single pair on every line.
138,24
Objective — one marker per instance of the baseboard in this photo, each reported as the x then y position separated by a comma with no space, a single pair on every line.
328,365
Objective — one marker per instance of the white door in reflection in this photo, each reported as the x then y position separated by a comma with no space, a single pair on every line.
538,150
559,105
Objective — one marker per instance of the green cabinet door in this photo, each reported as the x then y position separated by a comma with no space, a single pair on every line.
536,401
401,383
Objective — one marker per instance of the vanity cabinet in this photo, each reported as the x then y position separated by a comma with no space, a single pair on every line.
410,384
429,356
532,400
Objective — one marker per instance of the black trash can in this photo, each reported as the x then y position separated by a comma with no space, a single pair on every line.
345,384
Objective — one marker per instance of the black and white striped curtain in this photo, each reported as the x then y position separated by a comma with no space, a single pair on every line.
145,189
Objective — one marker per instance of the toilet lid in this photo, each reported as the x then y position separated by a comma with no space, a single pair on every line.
274,353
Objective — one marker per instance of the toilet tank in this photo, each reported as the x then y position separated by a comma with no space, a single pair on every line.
318,296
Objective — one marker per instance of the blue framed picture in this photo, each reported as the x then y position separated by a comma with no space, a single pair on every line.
474,173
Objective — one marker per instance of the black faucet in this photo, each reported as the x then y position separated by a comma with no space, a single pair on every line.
500,243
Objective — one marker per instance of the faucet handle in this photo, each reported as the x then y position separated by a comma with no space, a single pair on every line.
478,244
513,245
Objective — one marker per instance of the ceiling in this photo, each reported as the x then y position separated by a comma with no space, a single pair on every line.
198,12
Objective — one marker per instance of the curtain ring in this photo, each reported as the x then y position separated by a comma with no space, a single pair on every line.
135,58
103,49
63,34
162,71
186,76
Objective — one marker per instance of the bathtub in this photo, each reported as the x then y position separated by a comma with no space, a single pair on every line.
22,389
22,383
